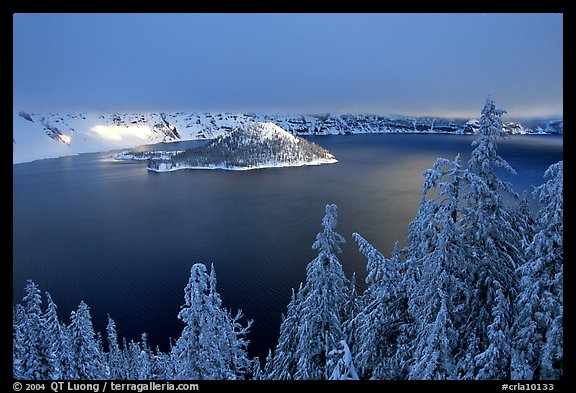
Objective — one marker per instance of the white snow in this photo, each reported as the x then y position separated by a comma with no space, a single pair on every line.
80,133
167,167
270,130
96,132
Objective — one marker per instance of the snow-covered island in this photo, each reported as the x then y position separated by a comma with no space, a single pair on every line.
261,145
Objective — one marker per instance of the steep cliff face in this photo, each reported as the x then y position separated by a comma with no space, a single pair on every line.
44,135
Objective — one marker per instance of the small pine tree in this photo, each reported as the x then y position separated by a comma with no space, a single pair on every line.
267,372
114,355
257,373
144,359
132,363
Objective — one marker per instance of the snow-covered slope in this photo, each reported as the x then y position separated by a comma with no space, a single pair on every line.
45,135
271,131
260,145
37,136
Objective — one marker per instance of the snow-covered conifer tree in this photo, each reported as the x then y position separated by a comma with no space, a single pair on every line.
132,363
160,365
87,358
538,332
144,359
171,361
212,344
114,354
494,248
344,365
434,282
189,357
101,353
18,342
256,370
136,361
267,371
374,330
282,366
55,342
493,362
35,363
320,307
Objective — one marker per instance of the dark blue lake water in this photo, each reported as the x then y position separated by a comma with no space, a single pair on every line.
123,239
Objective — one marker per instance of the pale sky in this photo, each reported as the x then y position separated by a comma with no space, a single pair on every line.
413,64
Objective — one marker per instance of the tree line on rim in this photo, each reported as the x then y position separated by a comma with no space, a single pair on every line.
477,293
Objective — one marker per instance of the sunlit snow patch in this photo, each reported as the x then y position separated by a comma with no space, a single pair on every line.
65,138
117,133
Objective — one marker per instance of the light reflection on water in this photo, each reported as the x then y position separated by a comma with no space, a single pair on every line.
123,239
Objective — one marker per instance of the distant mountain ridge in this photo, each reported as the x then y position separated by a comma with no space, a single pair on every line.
45,135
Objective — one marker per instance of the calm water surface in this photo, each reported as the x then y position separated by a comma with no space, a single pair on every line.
123,240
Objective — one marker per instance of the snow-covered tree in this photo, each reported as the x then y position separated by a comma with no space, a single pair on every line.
494,248
115,356
375,328
524,222
139,362
212,344
283,365
132,362
34,361
353,307
256,370
435,280
56,344
101,353
18,342
40,343
188,356
344,365
313,326
87,358
431,307
139,359
160,365
267,371
538,332
490,212
170,362
493,362
460,279
234,343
